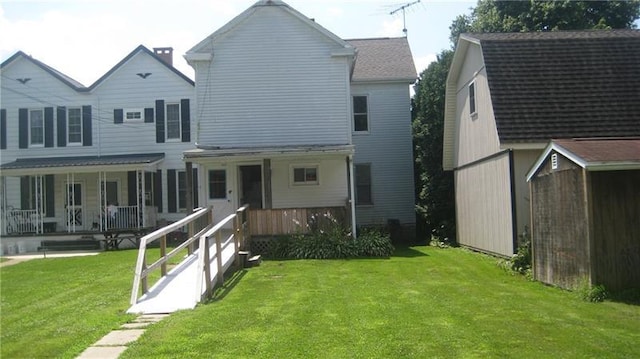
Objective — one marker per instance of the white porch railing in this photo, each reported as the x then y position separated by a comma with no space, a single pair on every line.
20,221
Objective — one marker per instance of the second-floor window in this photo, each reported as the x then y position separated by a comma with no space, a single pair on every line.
36,128
173,121
74,125
360,114
472,98
363,184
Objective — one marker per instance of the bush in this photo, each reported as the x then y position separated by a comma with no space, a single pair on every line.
373,243
521,261
591,293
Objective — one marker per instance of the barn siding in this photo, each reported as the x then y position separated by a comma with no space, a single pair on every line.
560,231
391,169
483,206
616,228
266,87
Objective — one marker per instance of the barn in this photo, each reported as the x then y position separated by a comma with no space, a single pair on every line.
585,205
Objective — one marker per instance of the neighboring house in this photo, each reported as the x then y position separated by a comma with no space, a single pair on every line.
296,121
507,96
585,200
69,151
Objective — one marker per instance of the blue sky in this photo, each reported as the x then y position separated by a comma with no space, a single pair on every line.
85,38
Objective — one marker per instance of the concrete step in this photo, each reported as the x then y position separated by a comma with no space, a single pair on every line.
254,261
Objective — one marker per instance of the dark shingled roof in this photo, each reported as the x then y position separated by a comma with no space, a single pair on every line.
383,59
604,150
83,161
563,84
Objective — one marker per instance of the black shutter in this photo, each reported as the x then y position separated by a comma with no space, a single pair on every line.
3,129
62,126
49,204
157,190
195,188
131,183
23,128
171,192
25,192
159,121
48,127
148,115
86,126
118,115
185,118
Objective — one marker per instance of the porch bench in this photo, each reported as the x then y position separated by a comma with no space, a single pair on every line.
69,245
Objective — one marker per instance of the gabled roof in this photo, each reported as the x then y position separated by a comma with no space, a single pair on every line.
563,84
203,50
77,86
594,154
383,59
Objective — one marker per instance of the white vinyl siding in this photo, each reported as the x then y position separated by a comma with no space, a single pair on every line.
251,94
36,128
74,125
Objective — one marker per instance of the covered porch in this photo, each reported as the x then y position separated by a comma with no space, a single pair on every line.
289,189
85,194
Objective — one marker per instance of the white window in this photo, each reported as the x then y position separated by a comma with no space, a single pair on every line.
305,175
360,114
363,184
133,115
74,125
217,184
472,98
36,127
173,121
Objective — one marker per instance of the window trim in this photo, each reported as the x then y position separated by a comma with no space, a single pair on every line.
31,144
69,142
127,111
209,183
355,174
166,122
473,99
353,114
305,167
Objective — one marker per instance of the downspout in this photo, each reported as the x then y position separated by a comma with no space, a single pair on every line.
351,196
514,209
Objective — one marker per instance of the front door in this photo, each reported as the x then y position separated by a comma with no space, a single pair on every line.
251,186
74,213
219,192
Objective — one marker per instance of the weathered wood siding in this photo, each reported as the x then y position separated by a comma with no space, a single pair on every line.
522,161
387,147
483,206
616,228
267,222
560,234
273,81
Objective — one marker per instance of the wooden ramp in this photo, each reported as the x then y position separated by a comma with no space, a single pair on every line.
180,289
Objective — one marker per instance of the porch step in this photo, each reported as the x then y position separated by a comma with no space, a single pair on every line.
244,255
254,261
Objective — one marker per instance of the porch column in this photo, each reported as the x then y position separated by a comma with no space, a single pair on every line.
189,179
268,196
39,203
352,195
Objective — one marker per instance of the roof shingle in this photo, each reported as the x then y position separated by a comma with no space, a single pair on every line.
383,59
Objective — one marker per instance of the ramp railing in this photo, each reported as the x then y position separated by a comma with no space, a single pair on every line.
197,223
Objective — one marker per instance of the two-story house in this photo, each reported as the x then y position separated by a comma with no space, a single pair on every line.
507,96
290,116
70,151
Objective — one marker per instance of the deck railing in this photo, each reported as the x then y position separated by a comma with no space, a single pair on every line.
207,259
21,221
197,224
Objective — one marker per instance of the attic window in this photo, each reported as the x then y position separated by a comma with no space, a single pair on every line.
133,115
554,161
472,99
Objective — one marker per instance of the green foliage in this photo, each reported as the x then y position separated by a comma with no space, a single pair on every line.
591,293
434,186
373,243
521,261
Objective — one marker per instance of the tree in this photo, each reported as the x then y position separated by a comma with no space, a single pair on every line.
434,187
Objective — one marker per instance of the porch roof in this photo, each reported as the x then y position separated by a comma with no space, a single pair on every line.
52,165
213,152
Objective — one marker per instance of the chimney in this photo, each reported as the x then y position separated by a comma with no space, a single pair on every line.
165,53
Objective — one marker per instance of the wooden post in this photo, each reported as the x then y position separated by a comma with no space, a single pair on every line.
207,267
219,257
190,233
145,286
236,239
163,253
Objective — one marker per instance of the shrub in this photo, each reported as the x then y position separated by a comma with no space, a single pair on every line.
374,243
521,261
591,293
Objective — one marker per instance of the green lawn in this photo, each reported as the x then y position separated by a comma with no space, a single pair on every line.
424,302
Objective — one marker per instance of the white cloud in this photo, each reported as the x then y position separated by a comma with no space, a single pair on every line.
422,62
391,28
335,11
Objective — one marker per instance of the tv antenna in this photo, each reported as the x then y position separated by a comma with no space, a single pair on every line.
404,20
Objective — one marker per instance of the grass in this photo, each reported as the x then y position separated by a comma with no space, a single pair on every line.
57,307
423,302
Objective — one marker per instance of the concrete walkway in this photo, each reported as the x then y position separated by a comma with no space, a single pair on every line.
116,342
19,258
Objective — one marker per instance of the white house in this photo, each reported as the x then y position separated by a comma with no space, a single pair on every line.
290,116
508,95
69,150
